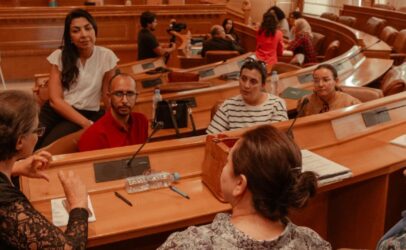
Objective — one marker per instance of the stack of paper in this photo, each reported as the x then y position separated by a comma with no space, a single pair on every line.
60,215
327,171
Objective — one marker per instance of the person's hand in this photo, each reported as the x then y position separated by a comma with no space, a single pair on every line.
33,166
75,190
230,37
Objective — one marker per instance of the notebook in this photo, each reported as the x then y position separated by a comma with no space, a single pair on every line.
60,215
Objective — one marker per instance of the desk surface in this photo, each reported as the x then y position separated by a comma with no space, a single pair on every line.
366,152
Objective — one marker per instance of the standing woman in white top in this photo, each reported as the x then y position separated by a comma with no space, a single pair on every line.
80,72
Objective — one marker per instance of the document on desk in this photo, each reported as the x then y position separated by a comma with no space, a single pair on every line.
400,141
327,171
60,215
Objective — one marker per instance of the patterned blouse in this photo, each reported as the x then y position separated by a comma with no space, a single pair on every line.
23,227
221,234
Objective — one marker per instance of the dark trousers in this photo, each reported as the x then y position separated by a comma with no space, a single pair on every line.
56,126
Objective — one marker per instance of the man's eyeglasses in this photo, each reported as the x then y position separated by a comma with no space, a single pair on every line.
121,94
39,131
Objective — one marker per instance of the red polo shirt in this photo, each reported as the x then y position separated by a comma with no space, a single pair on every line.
108,133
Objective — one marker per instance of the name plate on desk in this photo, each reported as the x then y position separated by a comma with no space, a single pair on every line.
295,93
148,66
305,78
118,169
376,116
151,83
206,73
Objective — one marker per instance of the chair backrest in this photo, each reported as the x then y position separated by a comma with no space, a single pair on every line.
330,16
64,145
347,20
214,108
364,94
282,67
332,50
375,25
394,81
183,76
220,55
402,9
40,88
388,35
383,6
399,45
318,41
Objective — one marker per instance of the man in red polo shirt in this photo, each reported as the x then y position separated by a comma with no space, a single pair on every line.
119,126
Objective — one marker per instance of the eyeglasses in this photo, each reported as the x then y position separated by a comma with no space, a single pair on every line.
39,131
121,94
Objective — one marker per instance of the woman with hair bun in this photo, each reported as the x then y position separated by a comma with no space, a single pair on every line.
261,180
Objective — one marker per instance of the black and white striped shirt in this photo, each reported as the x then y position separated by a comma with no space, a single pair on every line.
234,113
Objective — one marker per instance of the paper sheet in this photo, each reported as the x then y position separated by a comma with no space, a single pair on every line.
60,215
400,141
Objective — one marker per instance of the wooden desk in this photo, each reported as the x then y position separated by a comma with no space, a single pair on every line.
337,213
394,18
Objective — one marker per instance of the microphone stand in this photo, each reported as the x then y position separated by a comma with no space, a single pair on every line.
289,132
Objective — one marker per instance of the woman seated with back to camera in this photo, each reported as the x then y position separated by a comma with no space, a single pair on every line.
79,77
269,39
23,227
302,44
261,180
326,93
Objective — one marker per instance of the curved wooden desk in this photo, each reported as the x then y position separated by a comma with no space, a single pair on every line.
351,213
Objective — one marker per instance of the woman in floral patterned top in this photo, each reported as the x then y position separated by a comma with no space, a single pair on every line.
262,180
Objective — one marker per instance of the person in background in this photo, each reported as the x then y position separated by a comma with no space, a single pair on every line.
283,24
148,46
23,227
269,40
253,105
80,73
219,41
302,45
228,26
326,93
297,15
119,126
262,180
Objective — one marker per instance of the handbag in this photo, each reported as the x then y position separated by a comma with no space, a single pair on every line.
174,114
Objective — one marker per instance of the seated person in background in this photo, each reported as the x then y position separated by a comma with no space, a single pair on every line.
296,15
252,106
283,24
119,126
262,181
80,73
269,40
219,41
148,46
302,44
228,26
23,227
326,94
395,238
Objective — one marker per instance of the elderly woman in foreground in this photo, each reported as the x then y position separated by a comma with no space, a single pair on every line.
261,180
23,227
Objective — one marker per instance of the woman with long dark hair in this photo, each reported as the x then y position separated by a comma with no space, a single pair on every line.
269,39
228,26
262,180
23,227
80,72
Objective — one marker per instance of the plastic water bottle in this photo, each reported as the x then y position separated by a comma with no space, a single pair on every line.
274,83
155,99
151,181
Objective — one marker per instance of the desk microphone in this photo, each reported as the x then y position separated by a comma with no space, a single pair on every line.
159,125
300,111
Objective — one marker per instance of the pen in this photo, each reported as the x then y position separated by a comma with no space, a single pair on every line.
176,190
123,199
